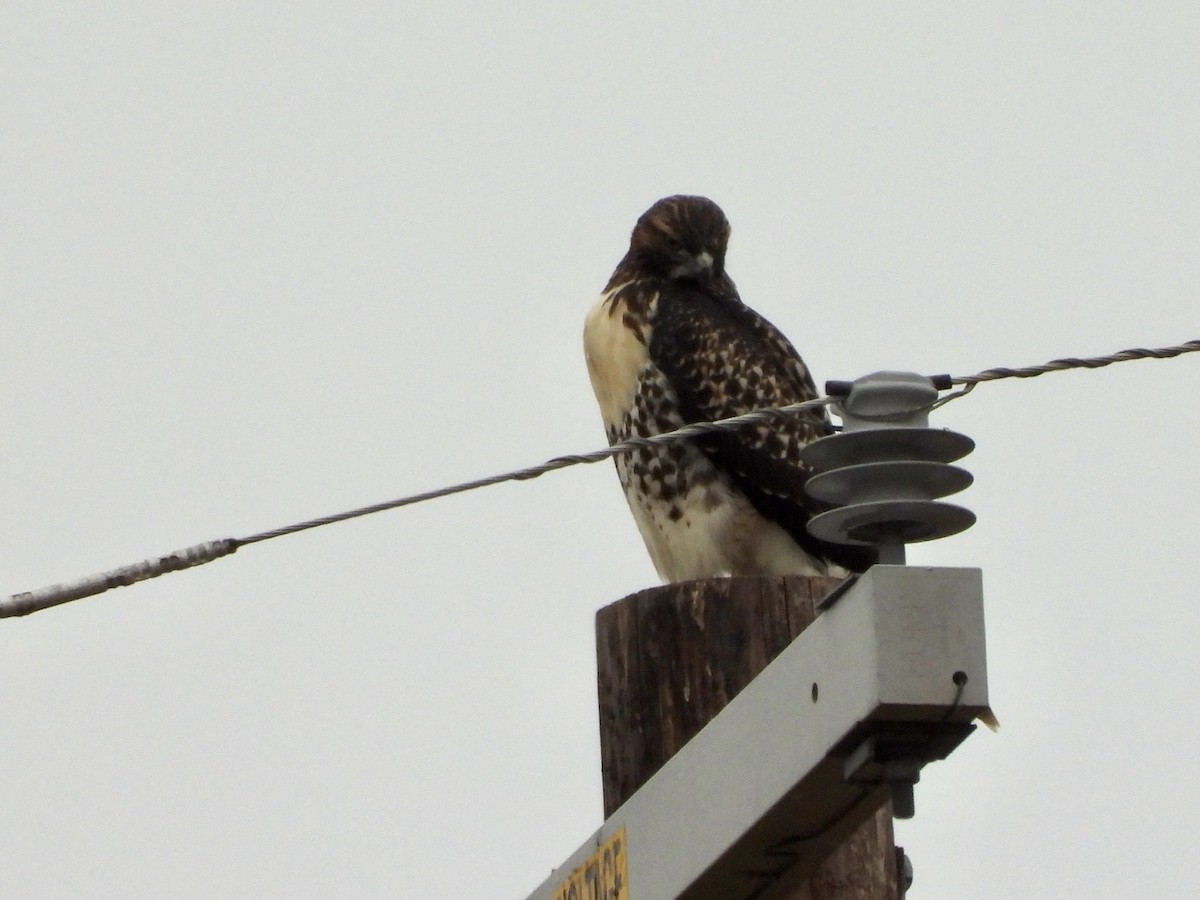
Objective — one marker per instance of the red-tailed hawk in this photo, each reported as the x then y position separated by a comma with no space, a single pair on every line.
669,343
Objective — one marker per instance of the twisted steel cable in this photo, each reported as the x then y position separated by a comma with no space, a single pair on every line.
31,601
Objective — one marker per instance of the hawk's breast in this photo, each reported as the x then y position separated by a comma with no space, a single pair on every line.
693,519
616,345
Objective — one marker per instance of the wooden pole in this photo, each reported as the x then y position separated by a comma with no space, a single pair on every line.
670,658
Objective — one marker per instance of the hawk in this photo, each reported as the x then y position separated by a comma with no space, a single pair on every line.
669,343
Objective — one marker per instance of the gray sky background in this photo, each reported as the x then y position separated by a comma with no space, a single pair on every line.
262,262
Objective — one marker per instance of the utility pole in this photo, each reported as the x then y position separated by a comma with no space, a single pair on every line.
670,658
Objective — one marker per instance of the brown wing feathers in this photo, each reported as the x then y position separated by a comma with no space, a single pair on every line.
723,359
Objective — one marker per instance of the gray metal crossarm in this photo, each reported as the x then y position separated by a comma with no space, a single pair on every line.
888,678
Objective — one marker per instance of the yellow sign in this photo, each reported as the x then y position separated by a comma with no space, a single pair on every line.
603,875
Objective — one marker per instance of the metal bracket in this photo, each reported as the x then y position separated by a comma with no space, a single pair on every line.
895,753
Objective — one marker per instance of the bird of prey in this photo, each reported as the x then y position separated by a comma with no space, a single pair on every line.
668,343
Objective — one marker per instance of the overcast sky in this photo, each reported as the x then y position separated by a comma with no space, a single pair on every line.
261,262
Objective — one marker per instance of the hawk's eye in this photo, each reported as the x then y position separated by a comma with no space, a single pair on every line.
672,243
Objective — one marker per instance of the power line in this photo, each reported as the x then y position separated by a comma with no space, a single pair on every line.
53,595
970,382
559,462
1095,362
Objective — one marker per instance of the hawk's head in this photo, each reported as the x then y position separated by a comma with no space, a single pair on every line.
681,239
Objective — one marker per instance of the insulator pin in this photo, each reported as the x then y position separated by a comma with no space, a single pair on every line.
885,472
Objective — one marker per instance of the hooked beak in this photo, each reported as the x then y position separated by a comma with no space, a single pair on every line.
699,267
